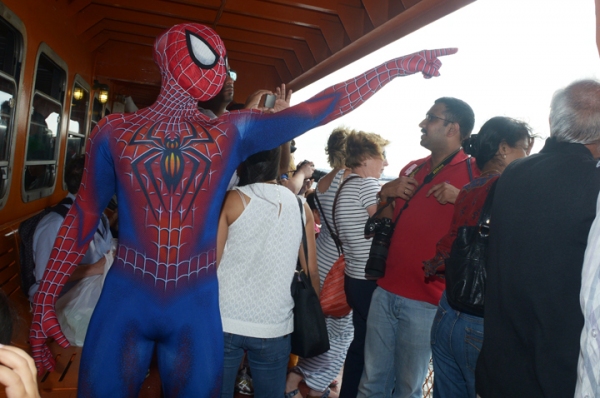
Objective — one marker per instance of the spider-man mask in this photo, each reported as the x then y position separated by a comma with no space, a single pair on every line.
195,56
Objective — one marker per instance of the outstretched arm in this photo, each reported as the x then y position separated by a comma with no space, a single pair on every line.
265,131
78,228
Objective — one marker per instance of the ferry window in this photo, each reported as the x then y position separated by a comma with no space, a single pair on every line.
77,122
44,128
11,43
96,113
7,103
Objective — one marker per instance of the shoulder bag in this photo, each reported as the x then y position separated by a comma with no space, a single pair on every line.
465,268
309,337
333,295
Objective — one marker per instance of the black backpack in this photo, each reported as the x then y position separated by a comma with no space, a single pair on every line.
26,231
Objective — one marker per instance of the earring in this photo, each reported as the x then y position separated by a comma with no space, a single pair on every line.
504,156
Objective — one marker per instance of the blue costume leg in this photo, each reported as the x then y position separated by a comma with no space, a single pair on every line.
116,354
190,353
131,318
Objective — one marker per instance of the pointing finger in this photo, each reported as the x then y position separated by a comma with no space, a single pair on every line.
444,51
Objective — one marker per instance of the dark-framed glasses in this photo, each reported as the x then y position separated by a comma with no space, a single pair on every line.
431,118
232,74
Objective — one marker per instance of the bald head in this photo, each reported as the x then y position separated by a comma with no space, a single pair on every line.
575,113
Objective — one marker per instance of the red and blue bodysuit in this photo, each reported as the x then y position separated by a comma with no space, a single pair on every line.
169,166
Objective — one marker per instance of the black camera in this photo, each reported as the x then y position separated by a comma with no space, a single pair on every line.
381,229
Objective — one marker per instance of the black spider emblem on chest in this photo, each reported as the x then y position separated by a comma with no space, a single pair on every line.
183,168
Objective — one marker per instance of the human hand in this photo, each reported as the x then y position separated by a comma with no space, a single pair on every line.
444,193
307,168
44,325
425,61
17,373
253,101
306,186
403,187
282,99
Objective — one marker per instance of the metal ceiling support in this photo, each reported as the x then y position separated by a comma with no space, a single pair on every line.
219,13
377,10
406,22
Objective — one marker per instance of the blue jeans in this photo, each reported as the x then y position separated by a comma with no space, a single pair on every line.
456,340
268,359
398,346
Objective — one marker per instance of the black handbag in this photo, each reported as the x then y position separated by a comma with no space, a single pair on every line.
309,337
465,268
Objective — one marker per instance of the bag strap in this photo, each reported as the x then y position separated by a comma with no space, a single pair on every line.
304,245
470,168
324,217
485,217
428,178
336,235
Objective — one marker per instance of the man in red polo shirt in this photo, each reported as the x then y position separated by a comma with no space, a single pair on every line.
397,347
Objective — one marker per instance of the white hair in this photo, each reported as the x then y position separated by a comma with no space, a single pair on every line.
575,113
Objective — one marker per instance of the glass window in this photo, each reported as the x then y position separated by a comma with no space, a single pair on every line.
11,43
7,104
96,113
44,128
80,100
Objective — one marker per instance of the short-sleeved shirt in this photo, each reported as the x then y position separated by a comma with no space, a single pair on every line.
350,216
422,224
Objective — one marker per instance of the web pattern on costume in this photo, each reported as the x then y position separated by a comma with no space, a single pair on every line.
359,89
173,158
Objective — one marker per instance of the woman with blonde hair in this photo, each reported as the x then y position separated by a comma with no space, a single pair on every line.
357,159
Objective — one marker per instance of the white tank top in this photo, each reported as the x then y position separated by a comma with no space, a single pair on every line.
258,263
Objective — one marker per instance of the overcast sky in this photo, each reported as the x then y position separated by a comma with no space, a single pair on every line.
513,54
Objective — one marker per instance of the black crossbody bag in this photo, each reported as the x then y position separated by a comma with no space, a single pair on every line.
465,268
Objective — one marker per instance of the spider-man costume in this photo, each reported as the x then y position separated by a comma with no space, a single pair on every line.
169,166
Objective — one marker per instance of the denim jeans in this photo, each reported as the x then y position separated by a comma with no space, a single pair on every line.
268,359
456,340
358,295
398,346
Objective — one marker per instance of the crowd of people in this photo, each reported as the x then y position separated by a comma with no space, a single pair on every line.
540,320
542,209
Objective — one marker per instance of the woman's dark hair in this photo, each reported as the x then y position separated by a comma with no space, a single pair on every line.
484,145
310,199
260,167
8,317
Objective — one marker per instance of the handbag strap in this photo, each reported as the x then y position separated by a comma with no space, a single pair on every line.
304,245
486,210
336,236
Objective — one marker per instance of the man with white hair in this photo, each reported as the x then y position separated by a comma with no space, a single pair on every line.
542,213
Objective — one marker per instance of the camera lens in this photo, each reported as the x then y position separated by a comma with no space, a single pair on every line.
383,229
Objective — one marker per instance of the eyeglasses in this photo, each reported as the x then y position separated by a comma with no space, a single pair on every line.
431,119
232,74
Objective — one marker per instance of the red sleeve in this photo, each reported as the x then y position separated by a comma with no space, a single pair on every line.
467,209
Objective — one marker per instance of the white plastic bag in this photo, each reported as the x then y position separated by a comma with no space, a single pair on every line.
75,308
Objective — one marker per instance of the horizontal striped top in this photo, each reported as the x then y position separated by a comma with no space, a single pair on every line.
351,215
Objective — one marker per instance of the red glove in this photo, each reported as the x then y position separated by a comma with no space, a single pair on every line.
425,61
44,325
